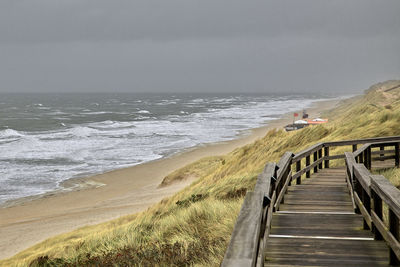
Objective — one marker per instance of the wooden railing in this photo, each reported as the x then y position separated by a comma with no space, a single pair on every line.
253,224
252,228
370,192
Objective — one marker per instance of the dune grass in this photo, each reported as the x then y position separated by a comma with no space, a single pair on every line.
193,227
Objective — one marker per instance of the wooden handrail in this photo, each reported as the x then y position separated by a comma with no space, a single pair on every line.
363,141
244,244
251,231
376,189
387,192
361,150
361,174
350,162
307,152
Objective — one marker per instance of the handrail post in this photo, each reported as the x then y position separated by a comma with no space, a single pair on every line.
381,148
354,147
397,155
315,158
326,154
394,229
298,168
356,187
274,185
369,158
320,157
378,211
308,173
367,204
365,159
283,184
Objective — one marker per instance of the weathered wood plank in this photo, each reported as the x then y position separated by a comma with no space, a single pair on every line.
266,229
383,164
350,187
384,157
387,192
306,152
384,143
263,183
362,175
307,207
283,191
363,210
326,155
284,164
242,249
307,168
315,158
308,172
333,157
317,197
326,189
314,252
363,141
361,150
383,152
389,238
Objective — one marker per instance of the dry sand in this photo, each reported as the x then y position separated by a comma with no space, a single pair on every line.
123,191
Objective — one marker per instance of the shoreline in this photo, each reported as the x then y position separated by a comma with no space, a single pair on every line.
123,191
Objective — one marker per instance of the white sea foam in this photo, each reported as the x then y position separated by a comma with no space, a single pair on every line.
7,133
96,112
143,111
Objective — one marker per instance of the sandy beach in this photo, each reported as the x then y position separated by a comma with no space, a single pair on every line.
112,194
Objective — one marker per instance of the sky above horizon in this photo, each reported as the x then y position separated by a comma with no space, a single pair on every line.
198,46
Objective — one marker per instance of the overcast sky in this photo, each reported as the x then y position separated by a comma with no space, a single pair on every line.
197,45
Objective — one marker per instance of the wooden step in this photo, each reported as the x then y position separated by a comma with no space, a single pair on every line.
307,206
322,252
305,224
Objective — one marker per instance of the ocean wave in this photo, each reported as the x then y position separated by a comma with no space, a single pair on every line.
95,112
111,125
9,133
83,131
143,111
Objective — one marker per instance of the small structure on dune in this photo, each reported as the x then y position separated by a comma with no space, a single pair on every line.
304,122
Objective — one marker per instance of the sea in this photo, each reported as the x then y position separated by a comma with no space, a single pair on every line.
48,138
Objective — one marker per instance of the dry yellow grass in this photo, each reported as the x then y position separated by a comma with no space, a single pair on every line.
193,227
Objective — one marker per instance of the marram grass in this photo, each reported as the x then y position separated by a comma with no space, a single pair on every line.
193,227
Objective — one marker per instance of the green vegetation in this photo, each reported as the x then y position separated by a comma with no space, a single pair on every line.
193,227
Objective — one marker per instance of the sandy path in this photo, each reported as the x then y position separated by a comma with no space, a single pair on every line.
125,191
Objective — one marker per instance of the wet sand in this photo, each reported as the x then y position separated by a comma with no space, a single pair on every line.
112,194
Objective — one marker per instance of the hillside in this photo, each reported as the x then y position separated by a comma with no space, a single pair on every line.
193,227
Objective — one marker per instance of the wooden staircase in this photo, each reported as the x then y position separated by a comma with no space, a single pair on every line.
317,226
303,212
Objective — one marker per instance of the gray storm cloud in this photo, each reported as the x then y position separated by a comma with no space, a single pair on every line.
197,46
